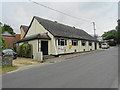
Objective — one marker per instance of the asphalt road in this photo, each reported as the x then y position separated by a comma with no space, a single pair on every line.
98,69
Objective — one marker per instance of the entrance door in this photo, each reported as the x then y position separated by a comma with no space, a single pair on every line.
44,47
95,45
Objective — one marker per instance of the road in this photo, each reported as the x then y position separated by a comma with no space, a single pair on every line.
98,69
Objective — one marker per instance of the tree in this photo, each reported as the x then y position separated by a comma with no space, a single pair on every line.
4,28
111,37
112,34
0,24
2,43
0,28
7,28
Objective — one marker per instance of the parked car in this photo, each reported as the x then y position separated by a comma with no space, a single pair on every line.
9,52
105,46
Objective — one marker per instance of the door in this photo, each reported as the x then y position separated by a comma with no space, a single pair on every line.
95,45
44,47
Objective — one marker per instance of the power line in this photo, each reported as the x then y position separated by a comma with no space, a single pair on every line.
60,11
65,14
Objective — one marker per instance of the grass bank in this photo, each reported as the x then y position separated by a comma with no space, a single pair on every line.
6,69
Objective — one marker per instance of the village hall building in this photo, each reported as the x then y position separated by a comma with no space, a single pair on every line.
53,38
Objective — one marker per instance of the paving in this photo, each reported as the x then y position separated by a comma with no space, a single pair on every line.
68,56
98,69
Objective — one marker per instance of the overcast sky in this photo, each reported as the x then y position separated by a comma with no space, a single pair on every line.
104,14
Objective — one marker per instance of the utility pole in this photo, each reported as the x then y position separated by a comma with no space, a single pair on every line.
94,28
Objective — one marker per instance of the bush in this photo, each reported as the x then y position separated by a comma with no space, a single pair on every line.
24,50
112,43
13,48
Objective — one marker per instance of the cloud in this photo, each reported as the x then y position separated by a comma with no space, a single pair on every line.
104,14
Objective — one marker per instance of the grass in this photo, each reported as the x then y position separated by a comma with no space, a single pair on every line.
6,69
24,61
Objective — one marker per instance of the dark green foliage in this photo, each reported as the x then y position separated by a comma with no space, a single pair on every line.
24,50
112,43
4,28
2,43
7,28
13,48
112,34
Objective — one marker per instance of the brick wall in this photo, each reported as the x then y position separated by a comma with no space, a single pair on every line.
10,40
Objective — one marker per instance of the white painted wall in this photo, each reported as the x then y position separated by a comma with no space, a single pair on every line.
53,48
78,48
38,28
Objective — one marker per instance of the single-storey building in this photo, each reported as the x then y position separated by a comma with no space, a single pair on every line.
53,38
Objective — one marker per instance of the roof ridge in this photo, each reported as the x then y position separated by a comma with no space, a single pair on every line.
59,29
58,23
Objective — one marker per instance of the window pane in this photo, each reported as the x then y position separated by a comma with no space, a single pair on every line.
65,42
83,43
58,41
90,43
62,43
74,42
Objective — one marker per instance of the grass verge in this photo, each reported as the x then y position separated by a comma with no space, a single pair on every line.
6,69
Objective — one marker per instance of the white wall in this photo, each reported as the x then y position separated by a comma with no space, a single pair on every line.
38,28
53,47
78,48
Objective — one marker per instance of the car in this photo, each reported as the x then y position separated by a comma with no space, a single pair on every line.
9,52
105,46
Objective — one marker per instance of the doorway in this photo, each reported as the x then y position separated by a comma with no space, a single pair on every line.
95,45
44,47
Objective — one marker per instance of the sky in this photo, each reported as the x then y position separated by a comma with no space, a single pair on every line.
104,14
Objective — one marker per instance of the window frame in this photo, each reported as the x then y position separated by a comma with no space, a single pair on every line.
83,43
90,43
74,42
62,42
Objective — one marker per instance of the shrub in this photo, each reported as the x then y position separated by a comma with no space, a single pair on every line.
13,48
112,43
24,50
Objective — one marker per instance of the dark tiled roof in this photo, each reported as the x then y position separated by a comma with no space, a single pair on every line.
36,36
25,28
60,30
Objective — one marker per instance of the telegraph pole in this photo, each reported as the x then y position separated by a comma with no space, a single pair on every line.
94,28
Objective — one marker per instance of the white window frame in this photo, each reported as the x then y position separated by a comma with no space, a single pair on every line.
60,40
74,41
90,43
83,42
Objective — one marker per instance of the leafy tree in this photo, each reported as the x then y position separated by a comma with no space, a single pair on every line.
0,24
112,34
2,43
7,28
4,28
0,28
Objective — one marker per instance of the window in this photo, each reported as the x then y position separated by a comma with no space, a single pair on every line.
90,43
62,42
83,43
74,42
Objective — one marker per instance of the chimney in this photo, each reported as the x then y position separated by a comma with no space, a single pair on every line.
55,21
